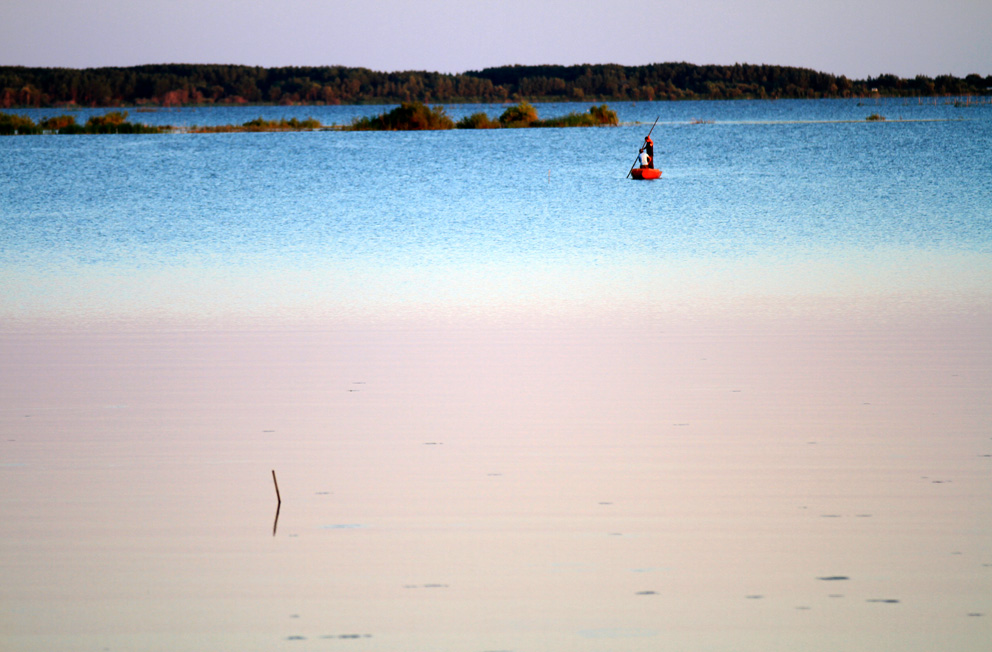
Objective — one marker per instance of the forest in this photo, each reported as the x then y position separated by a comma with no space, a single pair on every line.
204,84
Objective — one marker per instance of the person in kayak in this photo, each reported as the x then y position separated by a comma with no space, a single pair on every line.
647,153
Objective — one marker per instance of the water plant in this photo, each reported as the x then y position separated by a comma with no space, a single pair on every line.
11,125
260,124
61,124
519,115
604,115
597,116
114,122
477,121
408,116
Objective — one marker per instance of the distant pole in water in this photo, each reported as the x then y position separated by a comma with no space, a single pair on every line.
278,498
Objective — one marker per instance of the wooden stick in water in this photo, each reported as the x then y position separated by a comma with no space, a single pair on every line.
278,498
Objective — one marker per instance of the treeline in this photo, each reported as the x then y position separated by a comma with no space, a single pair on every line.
199,84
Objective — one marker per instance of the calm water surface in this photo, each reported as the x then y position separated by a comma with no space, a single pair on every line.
515,401
376,223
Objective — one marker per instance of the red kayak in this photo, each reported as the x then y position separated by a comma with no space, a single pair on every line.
645,173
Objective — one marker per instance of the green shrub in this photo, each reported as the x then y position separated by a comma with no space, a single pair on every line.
114,122
112,119
309,123
477,121
519,115
604,115
596,117
11,124
110,123
259,124
408,116
60,124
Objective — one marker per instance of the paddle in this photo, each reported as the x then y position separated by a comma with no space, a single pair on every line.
639,151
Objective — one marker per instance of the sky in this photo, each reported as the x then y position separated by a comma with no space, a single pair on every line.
856,38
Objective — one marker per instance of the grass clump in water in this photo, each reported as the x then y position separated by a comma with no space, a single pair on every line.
597,116
525,115
114,122
477,121
261,124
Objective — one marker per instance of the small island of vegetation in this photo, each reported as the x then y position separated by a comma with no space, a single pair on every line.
412,116
409,116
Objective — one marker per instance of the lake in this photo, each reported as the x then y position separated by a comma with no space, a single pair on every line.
515,401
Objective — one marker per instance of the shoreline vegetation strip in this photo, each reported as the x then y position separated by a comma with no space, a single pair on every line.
409,116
